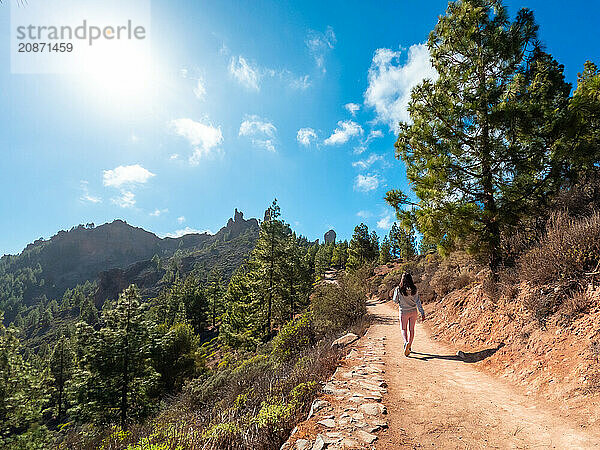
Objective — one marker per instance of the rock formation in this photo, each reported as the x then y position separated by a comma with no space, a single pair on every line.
329,237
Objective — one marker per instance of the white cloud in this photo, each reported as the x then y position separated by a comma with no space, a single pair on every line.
305,136
184,231
366,183
200,90
251,75
319,44
158,212
390,82
85,196
345,130
352,108
373,134
245,73
368,162
174,156
262,132
301,82
181,219
203,137
125,200
134,138
364,214
254,125
385,223
126,175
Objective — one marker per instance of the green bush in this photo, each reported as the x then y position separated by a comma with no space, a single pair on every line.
335,306
294,337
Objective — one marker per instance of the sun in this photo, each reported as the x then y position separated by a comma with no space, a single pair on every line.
123,75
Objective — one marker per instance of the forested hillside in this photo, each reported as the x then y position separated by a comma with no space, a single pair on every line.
183,350
104,260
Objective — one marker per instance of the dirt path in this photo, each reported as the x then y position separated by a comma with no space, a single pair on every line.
436,400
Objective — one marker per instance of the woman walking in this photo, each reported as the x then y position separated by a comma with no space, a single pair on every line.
407,297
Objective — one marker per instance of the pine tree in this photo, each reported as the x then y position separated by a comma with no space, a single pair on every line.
244,317
62,364
362,247
406,244
375,244
270,287
385,254
480,150
323,259
297,277
214,294
117,378
269,257
88,312
173,355
22,396
339,257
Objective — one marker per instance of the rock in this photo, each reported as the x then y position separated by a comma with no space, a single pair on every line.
330,388
380,423
329,423
345,340
334,434
319,443
358,416
329,237
316,406
331,439
373,409
349,443
367,438
302,444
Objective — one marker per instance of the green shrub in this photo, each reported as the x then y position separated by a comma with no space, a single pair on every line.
224,432
335,306
295,336
274,414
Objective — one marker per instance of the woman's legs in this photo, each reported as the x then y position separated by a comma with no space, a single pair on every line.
404,319
412,320
407,322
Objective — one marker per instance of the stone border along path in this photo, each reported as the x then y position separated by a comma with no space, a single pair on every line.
349,412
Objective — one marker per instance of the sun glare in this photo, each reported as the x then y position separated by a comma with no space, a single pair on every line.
119,75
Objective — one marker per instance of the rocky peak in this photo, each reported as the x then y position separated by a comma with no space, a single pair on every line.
238,225
329,237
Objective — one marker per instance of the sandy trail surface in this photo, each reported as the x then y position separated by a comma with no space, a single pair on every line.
437,400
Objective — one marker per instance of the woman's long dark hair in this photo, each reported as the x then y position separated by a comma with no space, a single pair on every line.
407,283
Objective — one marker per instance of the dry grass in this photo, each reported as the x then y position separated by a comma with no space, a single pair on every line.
559,266
569,250
454,272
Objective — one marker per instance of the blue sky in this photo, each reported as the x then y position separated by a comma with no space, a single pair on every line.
240,103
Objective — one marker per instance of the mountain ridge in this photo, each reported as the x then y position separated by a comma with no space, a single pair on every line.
46,268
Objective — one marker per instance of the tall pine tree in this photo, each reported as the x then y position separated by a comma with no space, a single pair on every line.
481,150
116,378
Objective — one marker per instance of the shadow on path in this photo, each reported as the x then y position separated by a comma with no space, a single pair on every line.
385,320
460,356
